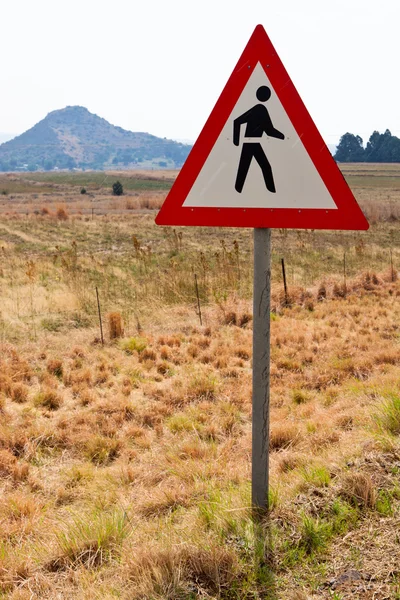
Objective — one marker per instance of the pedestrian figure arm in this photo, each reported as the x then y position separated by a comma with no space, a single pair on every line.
271,131
276,134
236,127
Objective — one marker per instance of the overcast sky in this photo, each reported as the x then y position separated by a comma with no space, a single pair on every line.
159,66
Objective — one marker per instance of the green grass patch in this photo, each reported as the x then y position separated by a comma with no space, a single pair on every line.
388,417
317,476
101,181
133,344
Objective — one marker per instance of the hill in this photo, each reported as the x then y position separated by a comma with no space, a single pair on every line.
73,137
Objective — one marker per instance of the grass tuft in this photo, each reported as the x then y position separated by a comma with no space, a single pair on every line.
183,572
317,476
359,490
91,540
48,398
19,393
388,417
102,450
300,396
283,436
314,534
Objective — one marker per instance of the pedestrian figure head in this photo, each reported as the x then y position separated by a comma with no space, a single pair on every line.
263,93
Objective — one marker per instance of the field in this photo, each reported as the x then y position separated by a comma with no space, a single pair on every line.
125,465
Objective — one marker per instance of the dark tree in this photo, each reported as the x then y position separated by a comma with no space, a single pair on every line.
392,150
350,149
380,148
117,189
83,190
48,165
373,146
383,147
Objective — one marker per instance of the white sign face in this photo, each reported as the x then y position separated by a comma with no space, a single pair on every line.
258,160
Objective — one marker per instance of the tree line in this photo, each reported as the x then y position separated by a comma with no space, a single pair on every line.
380,148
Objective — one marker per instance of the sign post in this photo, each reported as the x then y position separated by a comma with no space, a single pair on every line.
261,368
260,162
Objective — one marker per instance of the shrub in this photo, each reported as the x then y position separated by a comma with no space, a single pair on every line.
83,190
115,325
133,344
117,189
55,367
19,392
61,214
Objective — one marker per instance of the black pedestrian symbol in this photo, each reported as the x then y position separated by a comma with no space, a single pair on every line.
257,121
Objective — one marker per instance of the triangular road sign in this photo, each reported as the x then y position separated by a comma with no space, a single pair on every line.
260,160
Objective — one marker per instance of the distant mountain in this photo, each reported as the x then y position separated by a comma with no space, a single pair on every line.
76,138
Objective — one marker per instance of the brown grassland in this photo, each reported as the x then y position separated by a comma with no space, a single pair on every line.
125,468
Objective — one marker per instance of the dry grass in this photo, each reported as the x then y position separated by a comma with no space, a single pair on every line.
125,469
179,572
283,435
358,489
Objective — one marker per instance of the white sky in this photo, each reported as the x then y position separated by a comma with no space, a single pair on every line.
160,65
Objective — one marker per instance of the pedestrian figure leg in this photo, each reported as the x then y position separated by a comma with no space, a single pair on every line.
244,165
262,160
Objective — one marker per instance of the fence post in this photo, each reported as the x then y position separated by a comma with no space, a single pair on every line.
101,324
